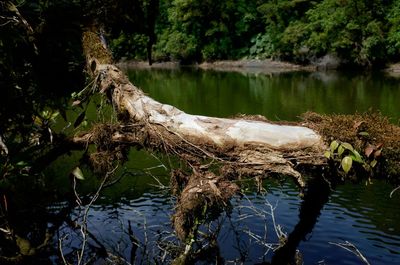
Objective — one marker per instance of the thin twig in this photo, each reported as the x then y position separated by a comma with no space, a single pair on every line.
351,248
393,191
60,241
86,213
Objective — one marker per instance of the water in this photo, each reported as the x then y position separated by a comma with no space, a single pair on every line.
277,96
362,215
132,221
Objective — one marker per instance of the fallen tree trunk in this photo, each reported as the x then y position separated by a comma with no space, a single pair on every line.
243,146
247,146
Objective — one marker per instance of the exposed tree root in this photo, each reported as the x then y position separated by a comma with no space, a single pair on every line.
204,196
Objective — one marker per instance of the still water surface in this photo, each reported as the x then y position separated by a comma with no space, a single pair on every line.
277,96
361,214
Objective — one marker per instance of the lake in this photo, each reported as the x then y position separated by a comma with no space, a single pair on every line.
132,218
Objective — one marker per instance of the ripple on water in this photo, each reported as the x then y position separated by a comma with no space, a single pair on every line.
351,214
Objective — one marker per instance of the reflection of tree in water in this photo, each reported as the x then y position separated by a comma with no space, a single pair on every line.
316,196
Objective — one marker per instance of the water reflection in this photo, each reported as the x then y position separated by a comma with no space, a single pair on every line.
316,196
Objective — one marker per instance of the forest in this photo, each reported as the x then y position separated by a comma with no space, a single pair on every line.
362,33
63,97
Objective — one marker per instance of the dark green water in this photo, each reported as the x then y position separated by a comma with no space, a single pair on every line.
276,96
136,205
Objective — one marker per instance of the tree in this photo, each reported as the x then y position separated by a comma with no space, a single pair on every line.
207,30
393,38
351,30
281,19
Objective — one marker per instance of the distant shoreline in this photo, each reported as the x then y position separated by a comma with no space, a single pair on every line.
266,66
393,70
249,66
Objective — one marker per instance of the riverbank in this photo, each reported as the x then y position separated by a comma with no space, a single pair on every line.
254,66
267,66
393,70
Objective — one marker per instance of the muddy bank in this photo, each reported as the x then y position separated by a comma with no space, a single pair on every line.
145,65
252,66
393,70
267,66
255,66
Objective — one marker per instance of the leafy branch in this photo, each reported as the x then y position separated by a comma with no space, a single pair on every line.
345,154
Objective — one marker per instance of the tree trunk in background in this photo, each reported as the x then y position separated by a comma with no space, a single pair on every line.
152,13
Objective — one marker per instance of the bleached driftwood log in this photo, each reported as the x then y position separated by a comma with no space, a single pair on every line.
242,146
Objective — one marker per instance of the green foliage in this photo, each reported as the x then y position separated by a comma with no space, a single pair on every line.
263,46
393,38
132,46
197,30
346,164
357,32
344,154
180,46
283,26
352,30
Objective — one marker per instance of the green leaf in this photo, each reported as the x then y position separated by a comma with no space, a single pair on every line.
357,157
340,151
77,173
45,114
80,118
363,133
347,163
373,163
348,146
334,146
21,164
327,154
54,115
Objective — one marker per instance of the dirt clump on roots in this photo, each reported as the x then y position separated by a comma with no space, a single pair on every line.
107,151
204,197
